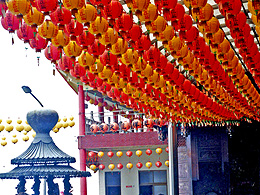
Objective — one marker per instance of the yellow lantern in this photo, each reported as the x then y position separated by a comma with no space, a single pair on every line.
147,72
73,5
119,47
26,138
121,83
109,37
71,123
86,14
195,3
148,164
14,140
34,134
8,121
60,40
71,118
3,143
97,67
9,128
85,59
55,130
119,153
59,125
99,26
105,74
129,165
114,80
153,78
100,154
2,127
148,15
19,128
34,18
111,166
48,30
130,57
157,26
158,150
18,7
27,128
203,14
65,125
72,49
93,167
138,153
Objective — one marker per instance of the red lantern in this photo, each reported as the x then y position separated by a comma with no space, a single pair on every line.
113,10
143,43
96,48
148,152
185,23
114,127
77,71
52,53
125,126
158,164
10,22
167,149
100,3
129,153
85,39
46,6
61,16
139,165
174,14
103,127
94,128
3,8
152,55
26,33
166,4
108,59
136,124
124,23
119,166
66,63
135,32
110,154
73,29
91,154
101,167
38,43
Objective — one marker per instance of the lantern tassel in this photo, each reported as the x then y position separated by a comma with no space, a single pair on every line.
12,40
53,72
38,60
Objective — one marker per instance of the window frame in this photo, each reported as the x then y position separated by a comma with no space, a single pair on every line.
107,186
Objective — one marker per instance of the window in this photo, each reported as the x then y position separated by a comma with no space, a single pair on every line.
152,183
113,183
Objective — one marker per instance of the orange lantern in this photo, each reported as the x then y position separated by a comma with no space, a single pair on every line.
125,126
106,73
97,67
86,14
103,127
139,65
138,5
157,26
203,14
72,49
94,128
166,35
174,45
73,5
195,3
136,124
34,18
119,47
109,37
48,30
130,57
99,26
18,7
148,15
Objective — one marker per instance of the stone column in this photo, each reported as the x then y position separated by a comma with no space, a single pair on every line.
21,185
67,185
36,185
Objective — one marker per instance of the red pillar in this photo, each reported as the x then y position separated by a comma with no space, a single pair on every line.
82,128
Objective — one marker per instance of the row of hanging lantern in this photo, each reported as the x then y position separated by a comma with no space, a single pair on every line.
126,125
129,165
154,85
20,127
14,138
